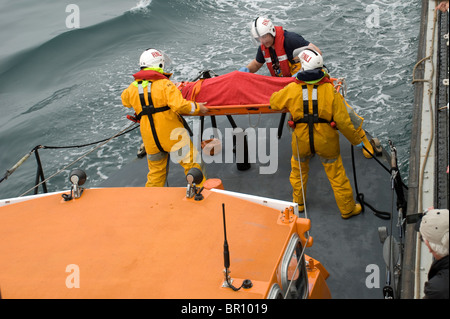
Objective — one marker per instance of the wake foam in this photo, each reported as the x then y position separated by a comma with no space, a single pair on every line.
141,6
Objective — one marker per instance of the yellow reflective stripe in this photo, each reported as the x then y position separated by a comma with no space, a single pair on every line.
193,107
155,69
144,83
303,159
327,160
156,157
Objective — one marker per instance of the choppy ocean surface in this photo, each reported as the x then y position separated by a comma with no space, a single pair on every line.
61,86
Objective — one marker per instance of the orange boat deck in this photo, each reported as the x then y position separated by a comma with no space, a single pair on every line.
142,243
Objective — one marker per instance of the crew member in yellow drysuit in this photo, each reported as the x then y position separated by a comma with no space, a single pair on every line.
315,105
162,127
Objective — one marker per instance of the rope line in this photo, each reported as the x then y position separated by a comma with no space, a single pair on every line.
36,148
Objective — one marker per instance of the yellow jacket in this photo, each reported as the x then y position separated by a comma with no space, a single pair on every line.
167,123
331,107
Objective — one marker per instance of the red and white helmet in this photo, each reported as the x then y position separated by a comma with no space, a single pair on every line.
310,59
262,26
152,58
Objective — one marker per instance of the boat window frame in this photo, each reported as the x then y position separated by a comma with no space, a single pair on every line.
275,292
294,246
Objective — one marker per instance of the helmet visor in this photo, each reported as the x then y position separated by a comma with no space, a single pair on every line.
296,53
167,61
254,35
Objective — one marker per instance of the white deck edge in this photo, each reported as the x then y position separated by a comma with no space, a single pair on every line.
265,201
9,201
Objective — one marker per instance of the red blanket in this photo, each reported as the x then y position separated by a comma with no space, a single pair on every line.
235,88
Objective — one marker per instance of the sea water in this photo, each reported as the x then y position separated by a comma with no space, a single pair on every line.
64,64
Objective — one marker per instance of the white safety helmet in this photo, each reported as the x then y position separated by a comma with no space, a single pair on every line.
310,59
260,27
152,58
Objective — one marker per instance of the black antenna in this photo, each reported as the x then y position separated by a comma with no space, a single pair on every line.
226,258
226,252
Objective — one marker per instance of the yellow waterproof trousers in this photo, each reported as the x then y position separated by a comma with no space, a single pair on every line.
157,164
343,192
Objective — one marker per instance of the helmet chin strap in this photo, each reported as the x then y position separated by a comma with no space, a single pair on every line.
256,28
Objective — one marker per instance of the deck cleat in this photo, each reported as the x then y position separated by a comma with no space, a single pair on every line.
194,177
77,178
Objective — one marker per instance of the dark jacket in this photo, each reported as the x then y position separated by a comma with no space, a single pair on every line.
437,285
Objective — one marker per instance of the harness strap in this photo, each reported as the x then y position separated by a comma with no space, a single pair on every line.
275,62
149,110
308,118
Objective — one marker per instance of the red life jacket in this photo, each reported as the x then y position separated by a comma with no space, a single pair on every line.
149,75
284,68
